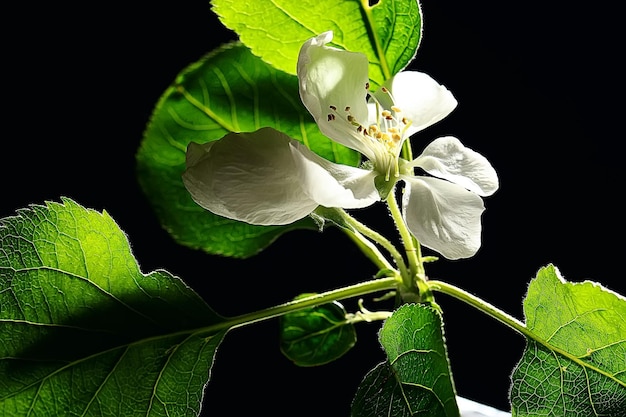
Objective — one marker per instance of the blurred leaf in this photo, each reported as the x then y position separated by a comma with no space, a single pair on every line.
228,90
416,380
318,335
388,33
84,332
577,364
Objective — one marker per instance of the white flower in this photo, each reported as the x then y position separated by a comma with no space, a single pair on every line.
267,178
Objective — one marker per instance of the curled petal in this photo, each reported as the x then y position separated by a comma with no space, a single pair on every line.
447,158
422,100
443,216
334,185
250,177
333,87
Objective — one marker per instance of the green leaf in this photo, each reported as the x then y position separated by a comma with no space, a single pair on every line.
317,335
577,364
416,380
388,33
84,332
228,90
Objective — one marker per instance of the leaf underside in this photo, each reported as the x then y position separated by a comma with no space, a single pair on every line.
317,335
577,365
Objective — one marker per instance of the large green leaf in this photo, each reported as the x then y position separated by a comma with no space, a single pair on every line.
577,364
84,332
416,380
317,335
388,33
229,90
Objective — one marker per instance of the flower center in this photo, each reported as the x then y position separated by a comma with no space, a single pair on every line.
384,134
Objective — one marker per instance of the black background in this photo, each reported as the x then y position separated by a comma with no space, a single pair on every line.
540,92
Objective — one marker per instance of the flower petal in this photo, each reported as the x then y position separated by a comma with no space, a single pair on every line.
334,185
470,408
333,85
447,158
250,177
443,216
422,99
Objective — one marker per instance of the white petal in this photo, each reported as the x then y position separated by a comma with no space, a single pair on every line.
443,216
334,185
447,158
422,99
332,78
250,177
469,408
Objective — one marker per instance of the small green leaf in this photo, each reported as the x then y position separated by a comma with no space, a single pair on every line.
317,335
416,380
388,33
229,90
84,332
577,364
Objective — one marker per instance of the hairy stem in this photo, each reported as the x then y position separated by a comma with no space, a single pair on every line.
357,290
380,240
481,305
416,268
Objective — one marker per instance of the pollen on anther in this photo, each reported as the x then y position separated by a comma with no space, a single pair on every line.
396,109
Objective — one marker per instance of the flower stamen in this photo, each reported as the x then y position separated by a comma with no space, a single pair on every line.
385,136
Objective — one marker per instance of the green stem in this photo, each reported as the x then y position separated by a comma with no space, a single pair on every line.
367,247
410,247
481,305
383,284
514,324
379,239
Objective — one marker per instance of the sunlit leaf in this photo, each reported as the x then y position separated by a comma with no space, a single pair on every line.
577,365
83,332
317,335
388,33
228,90
416,379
